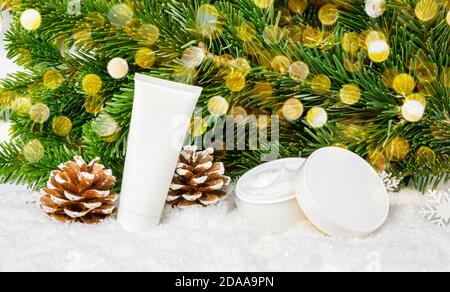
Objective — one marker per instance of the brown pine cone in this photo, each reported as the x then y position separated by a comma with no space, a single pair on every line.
79,192
198,179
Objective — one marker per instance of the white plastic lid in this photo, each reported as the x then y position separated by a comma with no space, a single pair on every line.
269,183
341,194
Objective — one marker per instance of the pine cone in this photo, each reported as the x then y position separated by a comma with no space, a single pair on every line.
198,179
79,192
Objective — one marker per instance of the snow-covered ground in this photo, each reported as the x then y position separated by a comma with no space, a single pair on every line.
214,239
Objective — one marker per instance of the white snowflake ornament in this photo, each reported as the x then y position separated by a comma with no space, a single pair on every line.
391,182
437,211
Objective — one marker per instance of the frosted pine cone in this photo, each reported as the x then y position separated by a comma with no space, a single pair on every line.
79,192
198,179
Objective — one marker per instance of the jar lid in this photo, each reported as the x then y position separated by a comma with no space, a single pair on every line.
269,183
341,194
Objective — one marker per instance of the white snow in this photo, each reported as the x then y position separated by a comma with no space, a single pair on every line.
214,239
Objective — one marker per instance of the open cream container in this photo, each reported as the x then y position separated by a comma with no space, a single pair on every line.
335,189
265,195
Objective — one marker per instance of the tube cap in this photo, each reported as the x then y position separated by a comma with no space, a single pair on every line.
132,222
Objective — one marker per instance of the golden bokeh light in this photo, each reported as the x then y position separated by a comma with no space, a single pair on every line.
93,104
425,155
120,15
317,117
39,113
350,94
62,126
198,126
378,160
240,65
292,109
246,32
297,6
31,19
53,79
425,70
388,77
118,68
21,105
92,84
353,64
413,108
413,111
379,50
145,58
33,151
218,106
320,84
312,37
426,10
238,111
328,14
273,34
208,21
299,71
193,57
147,34
82,35
329,41
105,125
235,81
350,43
404,84
397,149
263,90
375,8
280,64
263,4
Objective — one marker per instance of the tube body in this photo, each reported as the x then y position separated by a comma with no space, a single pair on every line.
160,120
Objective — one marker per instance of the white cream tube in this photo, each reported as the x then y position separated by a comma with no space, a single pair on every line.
160,119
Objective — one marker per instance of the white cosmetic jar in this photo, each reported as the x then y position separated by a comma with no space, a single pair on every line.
336,190
266,197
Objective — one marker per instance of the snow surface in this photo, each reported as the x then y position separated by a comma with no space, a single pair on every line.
214,239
